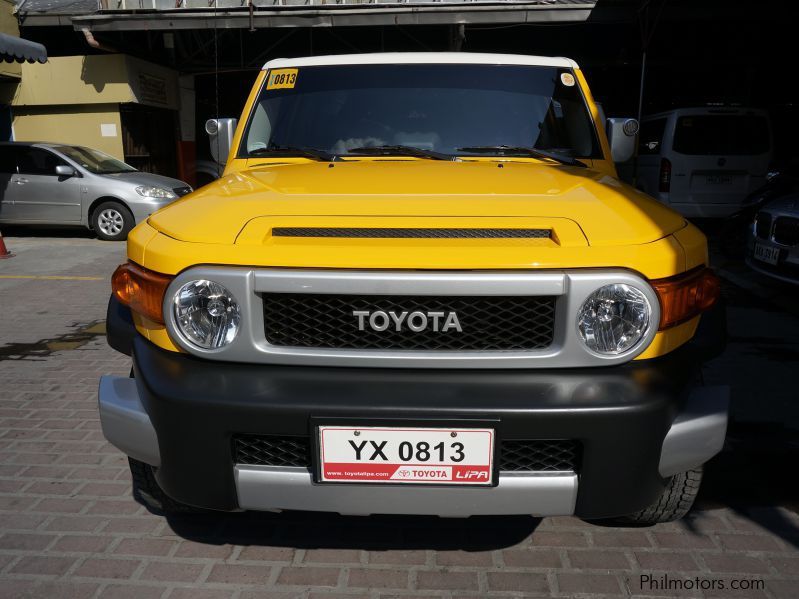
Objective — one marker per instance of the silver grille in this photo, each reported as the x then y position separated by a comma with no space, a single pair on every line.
488,322
258,340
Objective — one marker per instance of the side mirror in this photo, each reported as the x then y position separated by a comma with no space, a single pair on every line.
622,136
220,133
63,170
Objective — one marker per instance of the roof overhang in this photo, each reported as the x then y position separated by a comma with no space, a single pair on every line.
15,49
340,15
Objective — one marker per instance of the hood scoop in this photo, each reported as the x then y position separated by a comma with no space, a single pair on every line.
359,235
411,233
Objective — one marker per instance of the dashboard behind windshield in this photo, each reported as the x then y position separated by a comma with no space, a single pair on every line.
439,107
95,161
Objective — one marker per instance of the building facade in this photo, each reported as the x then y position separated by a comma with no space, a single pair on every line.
121,105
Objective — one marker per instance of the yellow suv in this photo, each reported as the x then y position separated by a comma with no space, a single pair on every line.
418,288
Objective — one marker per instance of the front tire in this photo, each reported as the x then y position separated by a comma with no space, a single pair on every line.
674,502
112,221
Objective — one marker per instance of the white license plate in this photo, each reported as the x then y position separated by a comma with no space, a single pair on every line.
453,456
766,253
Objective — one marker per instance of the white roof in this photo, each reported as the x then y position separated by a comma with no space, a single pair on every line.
422,58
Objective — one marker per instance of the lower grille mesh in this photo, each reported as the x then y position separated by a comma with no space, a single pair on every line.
258,450
561,455
539,456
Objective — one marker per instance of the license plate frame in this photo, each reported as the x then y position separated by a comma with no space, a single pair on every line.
456,425
719,180
766,253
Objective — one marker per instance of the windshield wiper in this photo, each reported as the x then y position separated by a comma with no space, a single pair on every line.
401,151
523,151
288,151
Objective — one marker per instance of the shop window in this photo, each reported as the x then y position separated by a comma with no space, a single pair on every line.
149,139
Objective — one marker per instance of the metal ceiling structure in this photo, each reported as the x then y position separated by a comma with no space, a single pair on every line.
166,15
708,51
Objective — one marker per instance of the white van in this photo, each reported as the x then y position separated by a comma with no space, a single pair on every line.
703,162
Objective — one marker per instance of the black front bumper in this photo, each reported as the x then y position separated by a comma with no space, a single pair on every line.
620,415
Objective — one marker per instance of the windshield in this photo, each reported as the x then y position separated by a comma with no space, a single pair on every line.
95,161
450,109
722,134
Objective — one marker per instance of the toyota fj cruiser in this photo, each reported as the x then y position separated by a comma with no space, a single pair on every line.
418,288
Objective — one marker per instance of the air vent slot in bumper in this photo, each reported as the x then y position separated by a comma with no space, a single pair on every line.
530,455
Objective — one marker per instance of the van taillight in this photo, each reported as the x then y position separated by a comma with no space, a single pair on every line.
665,176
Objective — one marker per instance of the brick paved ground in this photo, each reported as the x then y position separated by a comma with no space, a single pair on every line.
69,527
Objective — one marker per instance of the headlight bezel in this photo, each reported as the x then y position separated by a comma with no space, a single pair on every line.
648,333
171,308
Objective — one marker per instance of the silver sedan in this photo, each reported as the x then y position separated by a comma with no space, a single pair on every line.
47,183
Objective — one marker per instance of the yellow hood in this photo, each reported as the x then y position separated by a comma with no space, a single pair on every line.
580,205
593,220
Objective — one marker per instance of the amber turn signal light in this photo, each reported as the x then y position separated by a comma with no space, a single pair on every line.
141,289
685,296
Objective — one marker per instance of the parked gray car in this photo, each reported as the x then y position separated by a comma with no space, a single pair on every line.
47,183
774,245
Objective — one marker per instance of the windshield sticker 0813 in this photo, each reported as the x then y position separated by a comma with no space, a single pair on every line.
282,79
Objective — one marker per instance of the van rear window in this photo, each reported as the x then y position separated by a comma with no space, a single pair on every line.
721,134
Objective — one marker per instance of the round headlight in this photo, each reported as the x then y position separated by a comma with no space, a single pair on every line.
206,314
613,319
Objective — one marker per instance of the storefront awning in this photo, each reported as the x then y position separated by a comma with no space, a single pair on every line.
20,50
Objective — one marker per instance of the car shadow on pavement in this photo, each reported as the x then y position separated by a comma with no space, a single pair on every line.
310,530
49,231
754,478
